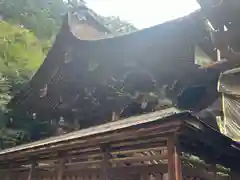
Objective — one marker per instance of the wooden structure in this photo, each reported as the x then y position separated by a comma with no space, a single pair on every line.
85,81
104,73
150,146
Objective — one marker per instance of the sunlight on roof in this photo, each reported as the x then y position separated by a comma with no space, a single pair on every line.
142,13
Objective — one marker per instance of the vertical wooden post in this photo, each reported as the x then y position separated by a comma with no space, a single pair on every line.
8,174
32,170
174,159
177,161
60,169
170,149
105,164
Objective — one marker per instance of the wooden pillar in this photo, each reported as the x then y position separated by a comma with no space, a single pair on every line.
170,149
60,169
174,159
177,161
8,175
105,163
32,170
9,172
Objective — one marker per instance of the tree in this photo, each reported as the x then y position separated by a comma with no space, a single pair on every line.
43,17
20,55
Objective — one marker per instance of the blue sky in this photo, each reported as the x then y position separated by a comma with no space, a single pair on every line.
144,13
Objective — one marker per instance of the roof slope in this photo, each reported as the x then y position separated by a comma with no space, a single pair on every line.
92,77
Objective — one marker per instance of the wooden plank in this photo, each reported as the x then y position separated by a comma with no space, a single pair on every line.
8,172
123,145
32,171
124,152
119,160
141,140
113,160
133,134
177,161
112,126
8,175
105,162
171,166
139,150
157,168
154,142
60,169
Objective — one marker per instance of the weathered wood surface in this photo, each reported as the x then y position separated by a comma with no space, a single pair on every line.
109,127
149,172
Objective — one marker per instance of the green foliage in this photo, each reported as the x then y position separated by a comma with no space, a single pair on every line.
20,54
43,17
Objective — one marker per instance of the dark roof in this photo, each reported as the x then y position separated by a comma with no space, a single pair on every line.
84,15
83,75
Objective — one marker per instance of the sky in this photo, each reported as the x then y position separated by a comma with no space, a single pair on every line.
144,13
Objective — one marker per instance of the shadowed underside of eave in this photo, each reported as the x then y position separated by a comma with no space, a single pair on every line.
75,68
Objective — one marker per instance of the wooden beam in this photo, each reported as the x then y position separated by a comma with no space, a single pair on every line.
120,160
32,170
8,174
177,161
105,161
89,132
60,168
139,150
171,167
